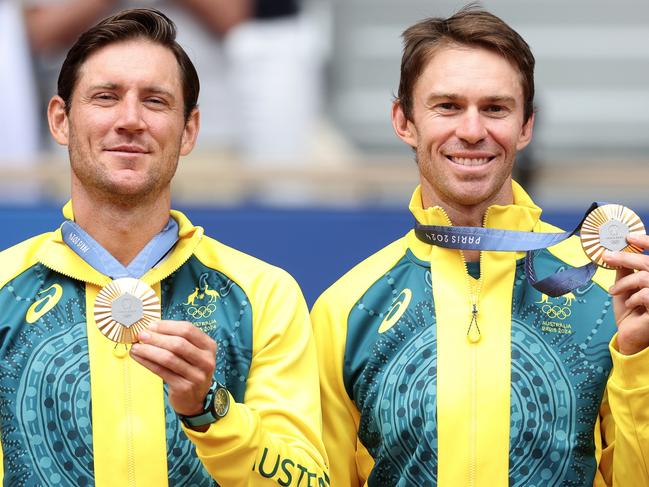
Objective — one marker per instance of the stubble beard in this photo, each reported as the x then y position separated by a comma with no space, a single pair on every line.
447,190
96,180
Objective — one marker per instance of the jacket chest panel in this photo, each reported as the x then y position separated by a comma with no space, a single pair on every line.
219,307
45,381
560,365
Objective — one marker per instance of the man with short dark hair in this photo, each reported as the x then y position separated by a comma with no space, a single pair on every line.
134,349
441,362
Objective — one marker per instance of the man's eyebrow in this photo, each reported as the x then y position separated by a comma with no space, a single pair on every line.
153,89
444,96
104,86
158,90
505,99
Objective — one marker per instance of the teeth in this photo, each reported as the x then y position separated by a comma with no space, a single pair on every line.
463,161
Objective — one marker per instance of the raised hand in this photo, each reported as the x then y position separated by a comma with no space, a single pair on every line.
184,357
631,296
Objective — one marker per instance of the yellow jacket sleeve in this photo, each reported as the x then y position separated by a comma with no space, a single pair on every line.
350,461
340,416
276,433
624,422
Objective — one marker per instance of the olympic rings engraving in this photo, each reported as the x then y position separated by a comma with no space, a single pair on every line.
554,311
201,311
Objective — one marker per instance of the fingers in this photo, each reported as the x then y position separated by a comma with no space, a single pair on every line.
178,352
186,330
183,356
164,373
628,281
627,260
185,396
639,299
639,240
170,363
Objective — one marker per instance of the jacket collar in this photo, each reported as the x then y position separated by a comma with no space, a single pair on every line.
56,255
522,215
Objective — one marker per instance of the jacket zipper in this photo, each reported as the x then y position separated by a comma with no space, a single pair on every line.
130,449
473,337
130,453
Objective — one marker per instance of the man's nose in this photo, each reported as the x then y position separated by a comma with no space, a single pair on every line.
130,115
471,127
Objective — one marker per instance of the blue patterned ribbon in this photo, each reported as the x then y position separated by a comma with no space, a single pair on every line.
480,238
99,258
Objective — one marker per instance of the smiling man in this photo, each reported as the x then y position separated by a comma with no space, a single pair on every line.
135,350
446,366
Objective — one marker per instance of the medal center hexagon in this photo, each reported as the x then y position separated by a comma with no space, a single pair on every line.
612,235
127,309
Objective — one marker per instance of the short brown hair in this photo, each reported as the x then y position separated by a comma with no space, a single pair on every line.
471,26
142,23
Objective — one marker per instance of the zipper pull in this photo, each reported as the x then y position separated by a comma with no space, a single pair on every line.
473,333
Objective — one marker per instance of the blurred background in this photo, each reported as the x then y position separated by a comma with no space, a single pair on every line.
296,162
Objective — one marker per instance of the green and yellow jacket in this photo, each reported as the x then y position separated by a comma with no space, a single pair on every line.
75,409
532,393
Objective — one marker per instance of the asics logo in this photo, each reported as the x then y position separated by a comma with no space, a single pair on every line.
46,303
399,306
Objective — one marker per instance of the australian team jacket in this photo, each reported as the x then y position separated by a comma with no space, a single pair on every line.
531,393
75,409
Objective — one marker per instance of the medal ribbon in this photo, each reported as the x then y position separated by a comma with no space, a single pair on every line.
100,259
480,238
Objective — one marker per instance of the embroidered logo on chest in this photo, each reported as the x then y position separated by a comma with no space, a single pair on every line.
399,306
556,312
46,303
201,304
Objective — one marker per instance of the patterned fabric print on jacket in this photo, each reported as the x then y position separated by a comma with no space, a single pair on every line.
45,381
560,364
390,372
220,308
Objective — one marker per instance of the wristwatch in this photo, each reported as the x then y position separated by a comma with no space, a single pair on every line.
216,405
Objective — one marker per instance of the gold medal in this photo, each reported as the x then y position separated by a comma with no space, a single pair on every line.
124,308
605,228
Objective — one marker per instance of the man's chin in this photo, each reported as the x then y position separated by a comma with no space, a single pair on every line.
472,194
129,191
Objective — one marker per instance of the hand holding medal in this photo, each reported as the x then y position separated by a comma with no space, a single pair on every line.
184,357
614,237
631,292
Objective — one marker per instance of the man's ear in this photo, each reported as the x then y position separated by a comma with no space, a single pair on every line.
190,132
58,120
526,133
403,127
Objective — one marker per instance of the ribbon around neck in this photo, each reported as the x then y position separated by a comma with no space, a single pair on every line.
100,259
480,238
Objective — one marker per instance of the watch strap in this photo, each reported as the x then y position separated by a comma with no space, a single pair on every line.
208,415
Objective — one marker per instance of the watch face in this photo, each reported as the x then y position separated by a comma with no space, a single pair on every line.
221,402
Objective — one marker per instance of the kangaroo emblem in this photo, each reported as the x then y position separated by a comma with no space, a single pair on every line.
191,299
205,289
569,298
